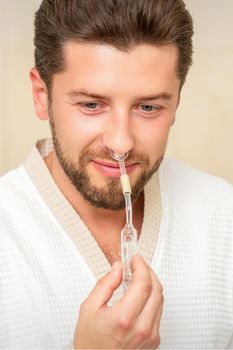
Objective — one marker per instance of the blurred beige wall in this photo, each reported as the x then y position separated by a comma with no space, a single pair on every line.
202,135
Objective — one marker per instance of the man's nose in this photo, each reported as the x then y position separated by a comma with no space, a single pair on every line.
118,135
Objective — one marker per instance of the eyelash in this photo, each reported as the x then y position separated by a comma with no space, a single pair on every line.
89,103
155,108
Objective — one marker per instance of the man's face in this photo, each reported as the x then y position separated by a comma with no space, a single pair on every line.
105,100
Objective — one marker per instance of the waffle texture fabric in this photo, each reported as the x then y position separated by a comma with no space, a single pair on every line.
44,278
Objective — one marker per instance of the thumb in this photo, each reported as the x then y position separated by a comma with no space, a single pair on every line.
104,288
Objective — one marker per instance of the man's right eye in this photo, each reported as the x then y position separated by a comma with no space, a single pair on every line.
90,105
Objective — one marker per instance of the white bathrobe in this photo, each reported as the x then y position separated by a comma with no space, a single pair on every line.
49,260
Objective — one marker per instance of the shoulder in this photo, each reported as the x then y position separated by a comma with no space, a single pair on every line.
16,191
12,183
196,193
186,179
200,203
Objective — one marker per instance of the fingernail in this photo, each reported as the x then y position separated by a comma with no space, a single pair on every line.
116,265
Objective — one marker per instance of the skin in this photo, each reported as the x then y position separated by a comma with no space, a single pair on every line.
123,121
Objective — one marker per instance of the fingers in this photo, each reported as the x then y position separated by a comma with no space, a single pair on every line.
146,327
153,340
137,293
154,303
133,322
104,288
149,319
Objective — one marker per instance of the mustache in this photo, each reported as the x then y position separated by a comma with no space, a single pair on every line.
88,155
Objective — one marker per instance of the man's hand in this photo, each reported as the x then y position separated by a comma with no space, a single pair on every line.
133,322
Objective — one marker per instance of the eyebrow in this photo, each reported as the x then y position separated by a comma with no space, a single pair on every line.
86,93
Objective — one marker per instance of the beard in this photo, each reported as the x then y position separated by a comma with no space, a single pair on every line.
110,196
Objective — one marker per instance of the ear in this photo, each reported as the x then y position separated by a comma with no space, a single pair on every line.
40,95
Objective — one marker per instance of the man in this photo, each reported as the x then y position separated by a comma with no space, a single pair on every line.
108,76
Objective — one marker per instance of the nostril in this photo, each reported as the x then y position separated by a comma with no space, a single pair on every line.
118,156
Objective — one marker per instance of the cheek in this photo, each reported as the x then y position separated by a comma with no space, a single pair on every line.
75,131
154,137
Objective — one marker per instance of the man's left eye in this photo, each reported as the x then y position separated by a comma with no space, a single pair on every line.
149,108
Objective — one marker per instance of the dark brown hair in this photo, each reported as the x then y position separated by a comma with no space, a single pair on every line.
120,23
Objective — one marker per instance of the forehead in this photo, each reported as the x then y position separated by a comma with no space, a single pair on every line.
91,54
98,64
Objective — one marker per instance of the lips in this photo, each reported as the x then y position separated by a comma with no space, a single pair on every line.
113,165
112,169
